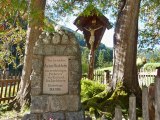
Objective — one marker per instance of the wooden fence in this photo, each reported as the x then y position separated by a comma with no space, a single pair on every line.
150,104
98,76
145,77
9,86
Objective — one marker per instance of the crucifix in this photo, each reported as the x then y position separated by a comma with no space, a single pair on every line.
92,39
93,27
92,35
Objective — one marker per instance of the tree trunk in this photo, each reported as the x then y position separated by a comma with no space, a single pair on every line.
125,46
36,22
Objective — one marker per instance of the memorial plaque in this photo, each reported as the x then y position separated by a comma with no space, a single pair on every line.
55,75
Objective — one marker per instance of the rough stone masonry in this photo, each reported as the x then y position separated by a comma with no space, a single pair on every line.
55,79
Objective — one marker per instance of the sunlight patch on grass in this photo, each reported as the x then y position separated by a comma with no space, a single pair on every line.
108,68
13,115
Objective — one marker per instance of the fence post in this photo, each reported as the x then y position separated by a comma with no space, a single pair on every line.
157,98
158,71
145,103
132,107
118,113
106,76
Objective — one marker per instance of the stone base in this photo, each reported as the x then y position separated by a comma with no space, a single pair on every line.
56,116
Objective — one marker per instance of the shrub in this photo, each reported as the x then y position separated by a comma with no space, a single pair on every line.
98,102
150,66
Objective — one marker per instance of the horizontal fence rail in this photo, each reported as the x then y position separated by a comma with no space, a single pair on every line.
9,86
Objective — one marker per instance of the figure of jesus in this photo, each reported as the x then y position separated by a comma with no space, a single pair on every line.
92,37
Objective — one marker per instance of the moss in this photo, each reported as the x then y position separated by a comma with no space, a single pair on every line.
96,100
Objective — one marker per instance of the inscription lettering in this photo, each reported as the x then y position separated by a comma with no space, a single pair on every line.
55,75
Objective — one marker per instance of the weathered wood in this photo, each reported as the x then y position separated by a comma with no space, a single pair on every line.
132,107
6,88
106,76
157,98
145,103
18,85
9,89
91,64
10,80
14,86
158,71
151,101
6,99
118,113
1,90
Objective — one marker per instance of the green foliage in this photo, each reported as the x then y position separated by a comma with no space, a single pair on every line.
94,89
84,55
100,61
103,55
6,112
151,66
96,100
12,47
12,31
150,20
141,62
12,13
151,56
49,25
89,11
65,8
85,68
3,108
91,93
107,55
149,35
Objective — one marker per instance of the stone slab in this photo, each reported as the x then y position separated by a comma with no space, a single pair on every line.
75,115
55,76
79,115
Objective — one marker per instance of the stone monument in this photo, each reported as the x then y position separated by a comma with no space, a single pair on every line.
55,79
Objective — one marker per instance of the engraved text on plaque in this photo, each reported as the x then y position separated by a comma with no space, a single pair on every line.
55,75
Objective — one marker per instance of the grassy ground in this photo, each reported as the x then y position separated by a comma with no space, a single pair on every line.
11,115
8,115
108,68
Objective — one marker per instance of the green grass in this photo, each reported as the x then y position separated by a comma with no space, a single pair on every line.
11,115
107,68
